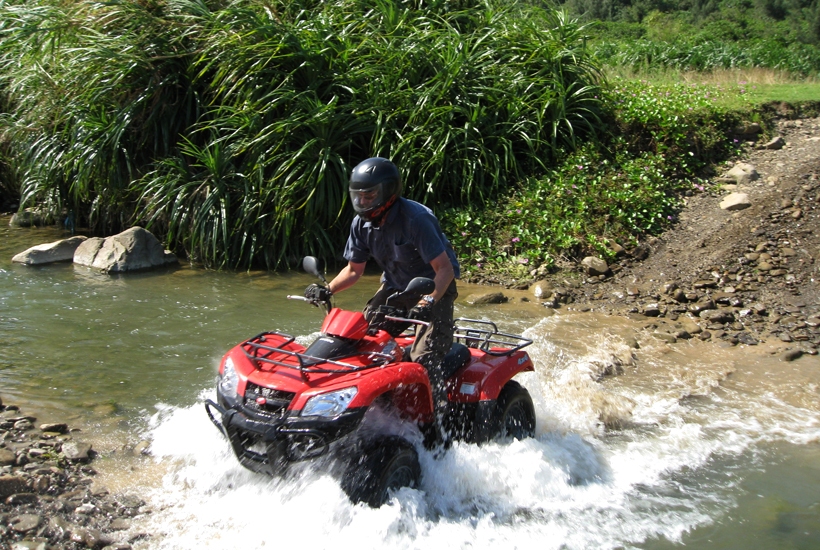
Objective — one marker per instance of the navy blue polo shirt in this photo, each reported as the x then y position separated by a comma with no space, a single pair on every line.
403,246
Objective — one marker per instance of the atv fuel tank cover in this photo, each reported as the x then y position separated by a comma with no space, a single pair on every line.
346,324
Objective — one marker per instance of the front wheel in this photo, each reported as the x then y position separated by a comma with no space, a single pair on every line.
383,465
515,413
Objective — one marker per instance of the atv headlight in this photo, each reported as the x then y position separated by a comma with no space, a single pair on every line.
229,380
331,403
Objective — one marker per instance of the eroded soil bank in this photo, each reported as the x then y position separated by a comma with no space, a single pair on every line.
742,276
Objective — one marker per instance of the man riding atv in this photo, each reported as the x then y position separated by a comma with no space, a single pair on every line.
406,241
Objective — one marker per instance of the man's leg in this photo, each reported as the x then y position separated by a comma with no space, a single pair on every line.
432,344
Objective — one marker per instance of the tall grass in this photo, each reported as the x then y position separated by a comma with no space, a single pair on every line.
708,55
229,128
95,93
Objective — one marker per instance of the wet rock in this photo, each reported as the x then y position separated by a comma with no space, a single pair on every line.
700,307
57,251
7,457
735,201
791,355
58,428
541,289
665,336
119,524
25,522
595,266
489,298
679,295
691,327
29,218
11,484
717,316
746,338
651,310
133,249
76,450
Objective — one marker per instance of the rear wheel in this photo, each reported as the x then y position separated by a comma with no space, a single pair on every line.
383,465
515,413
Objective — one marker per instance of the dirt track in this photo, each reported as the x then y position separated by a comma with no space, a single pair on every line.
742,276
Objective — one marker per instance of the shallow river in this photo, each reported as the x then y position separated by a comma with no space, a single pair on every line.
694,444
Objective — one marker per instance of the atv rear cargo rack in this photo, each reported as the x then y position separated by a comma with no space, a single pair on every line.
486,337
256,349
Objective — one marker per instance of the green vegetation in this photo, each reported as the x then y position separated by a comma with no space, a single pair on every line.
705,35
228,127
664,139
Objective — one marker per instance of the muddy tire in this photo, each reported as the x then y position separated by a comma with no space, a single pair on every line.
515,413
383,465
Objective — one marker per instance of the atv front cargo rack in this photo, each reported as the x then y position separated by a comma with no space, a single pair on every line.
256,349
484,335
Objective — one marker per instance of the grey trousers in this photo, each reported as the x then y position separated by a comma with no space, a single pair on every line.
432,343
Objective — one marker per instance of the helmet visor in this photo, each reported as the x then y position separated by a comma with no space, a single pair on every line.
367,200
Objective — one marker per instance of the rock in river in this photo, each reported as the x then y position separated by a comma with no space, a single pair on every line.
58,251
133,249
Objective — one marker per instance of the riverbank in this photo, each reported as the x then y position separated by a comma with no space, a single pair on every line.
48,494
741,276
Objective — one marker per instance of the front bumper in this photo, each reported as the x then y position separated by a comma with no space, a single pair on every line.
268,443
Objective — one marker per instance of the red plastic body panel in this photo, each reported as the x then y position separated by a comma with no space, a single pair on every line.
408,381
486,375
347,324
481,380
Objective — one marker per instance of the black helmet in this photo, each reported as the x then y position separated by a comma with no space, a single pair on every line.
375,184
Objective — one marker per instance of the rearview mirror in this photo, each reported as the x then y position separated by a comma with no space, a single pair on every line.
312,265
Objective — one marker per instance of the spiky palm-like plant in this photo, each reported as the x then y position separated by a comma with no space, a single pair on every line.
230,127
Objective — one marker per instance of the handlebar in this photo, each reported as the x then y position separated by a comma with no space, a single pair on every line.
403,320
387,317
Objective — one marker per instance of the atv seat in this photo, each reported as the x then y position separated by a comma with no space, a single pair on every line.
457,357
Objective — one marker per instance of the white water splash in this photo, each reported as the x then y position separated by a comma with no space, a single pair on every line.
583,482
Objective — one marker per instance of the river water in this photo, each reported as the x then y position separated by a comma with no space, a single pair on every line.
694,444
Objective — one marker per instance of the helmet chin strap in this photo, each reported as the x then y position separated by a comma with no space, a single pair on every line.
382,213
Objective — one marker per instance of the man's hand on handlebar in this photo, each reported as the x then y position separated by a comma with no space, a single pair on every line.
421,312
316,294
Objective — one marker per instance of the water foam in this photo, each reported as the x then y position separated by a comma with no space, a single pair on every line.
582,482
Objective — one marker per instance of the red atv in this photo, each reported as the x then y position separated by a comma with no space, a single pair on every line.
279,402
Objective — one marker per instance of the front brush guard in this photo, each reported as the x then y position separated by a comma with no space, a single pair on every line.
284,443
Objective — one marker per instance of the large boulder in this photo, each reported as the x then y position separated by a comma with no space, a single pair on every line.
58,251
132,250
